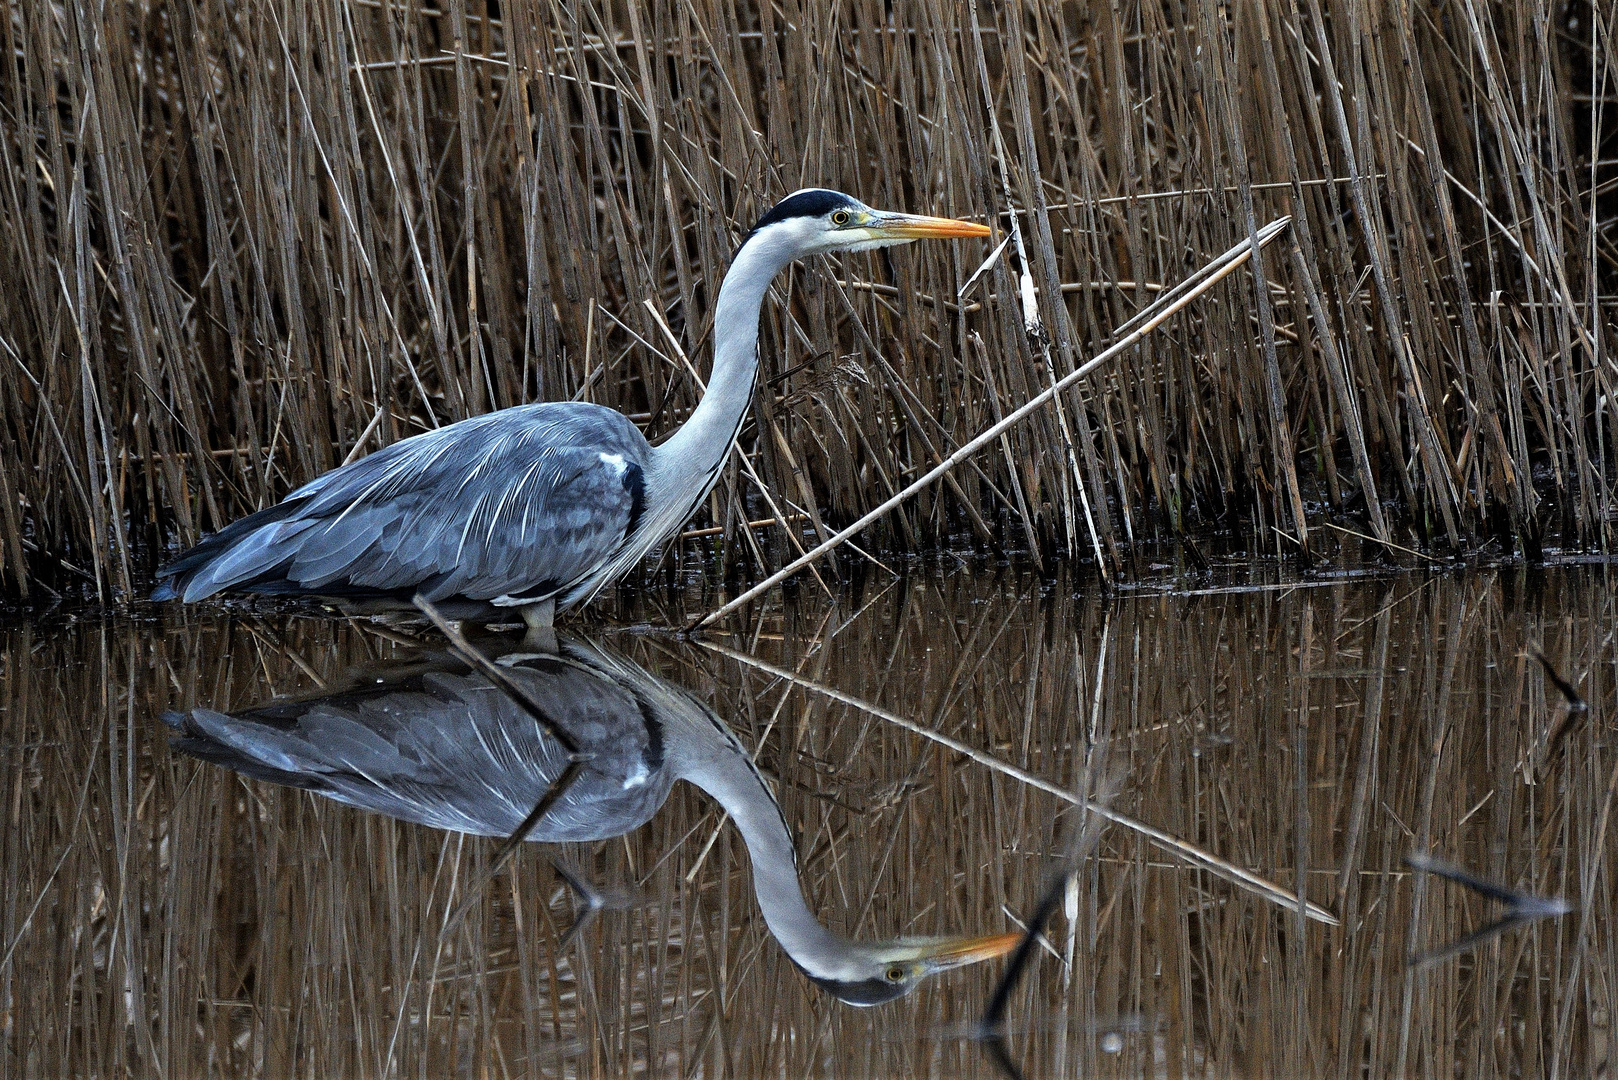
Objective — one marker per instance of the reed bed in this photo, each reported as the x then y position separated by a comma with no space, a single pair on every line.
242,243
162,917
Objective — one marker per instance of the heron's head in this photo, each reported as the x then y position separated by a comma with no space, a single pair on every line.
881,971
815,220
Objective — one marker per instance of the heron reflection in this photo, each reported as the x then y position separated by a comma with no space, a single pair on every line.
438,744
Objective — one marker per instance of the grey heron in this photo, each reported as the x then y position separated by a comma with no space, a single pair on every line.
535,507
439,745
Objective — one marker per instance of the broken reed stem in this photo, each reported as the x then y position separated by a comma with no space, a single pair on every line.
1236,875
1171,304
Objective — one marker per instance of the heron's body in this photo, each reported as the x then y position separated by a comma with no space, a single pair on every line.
439,745
535,507
511,508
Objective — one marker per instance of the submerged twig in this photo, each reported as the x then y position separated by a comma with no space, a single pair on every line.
594,900
1521,908
991,1030
1575,703
1576,706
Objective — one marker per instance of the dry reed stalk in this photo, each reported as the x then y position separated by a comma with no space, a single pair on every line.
1168,305
241,244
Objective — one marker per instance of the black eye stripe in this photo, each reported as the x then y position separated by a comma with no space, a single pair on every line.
811,203
814,202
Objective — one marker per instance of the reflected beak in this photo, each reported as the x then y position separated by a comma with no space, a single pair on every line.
916,227
957,952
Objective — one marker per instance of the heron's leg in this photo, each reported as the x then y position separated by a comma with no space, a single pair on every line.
541,615
541,635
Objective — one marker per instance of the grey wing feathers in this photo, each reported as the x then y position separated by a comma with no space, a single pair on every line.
509,507
453,753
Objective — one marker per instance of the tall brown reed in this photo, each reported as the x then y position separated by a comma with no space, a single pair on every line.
242,243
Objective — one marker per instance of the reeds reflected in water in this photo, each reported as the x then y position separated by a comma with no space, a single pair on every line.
164,917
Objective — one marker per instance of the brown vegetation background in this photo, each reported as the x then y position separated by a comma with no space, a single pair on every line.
244,242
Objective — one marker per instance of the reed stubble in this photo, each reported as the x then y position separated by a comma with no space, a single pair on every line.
244,243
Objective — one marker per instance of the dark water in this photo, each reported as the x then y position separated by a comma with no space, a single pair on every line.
163,916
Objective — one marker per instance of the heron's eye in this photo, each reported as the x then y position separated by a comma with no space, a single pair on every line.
896,974
839,217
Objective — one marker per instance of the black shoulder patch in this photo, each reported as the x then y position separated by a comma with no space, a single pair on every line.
810,202
635,484
654,735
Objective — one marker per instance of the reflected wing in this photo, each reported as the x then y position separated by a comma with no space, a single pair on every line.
452,751
508,507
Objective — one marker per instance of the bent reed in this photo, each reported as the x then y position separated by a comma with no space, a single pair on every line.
243,243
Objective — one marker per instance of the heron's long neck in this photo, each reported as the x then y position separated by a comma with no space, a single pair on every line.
725,772
687,462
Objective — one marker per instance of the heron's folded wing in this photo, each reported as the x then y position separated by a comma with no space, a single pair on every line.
513,505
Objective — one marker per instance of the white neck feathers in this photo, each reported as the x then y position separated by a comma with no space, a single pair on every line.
721,767
686,465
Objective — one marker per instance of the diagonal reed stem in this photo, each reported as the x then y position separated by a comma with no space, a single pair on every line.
1236,875
1169,305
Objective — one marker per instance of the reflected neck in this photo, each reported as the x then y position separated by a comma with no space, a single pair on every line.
726,772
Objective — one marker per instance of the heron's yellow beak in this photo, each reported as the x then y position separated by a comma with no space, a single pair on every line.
917,227
957,952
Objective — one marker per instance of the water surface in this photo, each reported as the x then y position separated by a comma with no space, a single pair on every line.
164,916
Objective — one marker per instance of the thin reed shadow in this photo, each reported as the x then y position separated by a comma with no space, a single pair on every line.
577,760
1520,908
